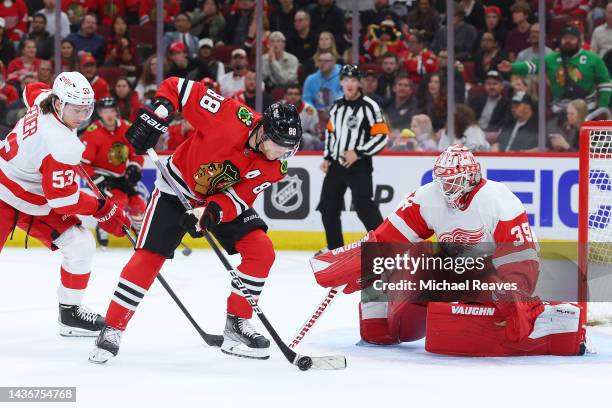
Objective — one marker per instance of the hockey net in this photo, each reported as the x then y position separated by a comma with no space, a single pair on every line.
595,221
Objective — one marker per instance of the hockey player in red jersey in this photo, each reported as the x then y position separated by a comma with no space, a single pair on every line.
235,155
463,210
113,164
39,191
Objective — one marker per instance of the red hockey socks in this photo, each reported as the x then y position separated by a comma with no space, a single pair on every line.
136,279
257,254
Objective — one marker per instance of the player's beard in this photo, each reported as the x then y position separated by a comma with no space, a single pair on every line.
569,51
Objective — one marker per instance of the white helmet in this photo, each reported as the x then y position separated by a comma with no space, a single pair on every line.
457,173
73,88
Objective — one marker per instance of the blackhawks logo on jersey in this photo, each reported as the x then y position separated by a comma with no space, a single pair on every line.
245,116
118,154
214,177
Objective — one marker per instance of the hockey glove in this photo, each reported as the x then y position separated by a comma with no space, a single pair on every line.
519,312
146,130
133,174
196,221
111,218
102,183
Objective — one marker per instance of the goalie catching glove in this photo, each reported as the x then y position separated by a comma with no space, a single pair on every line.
198,220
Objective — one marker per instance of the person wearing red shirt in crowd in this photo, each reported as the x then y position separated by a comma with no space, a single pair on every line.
420,61
385,39
107,10
8,93
69,56
26,64
76,9
45,72
573,8
15,14
179,131
147,11
128,102
118,40
90,70
112,163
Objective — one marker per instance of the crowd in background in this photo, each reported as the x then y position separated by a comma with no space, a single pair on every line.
402,56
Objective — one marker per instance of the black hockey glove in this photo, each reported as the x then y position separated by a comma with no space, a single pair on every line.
102,183
146,130
133,174
196,221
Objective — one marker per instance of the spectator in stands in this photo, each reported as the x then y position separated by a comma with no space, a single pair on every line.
326,43
26,64
239,22
518,38
179,64
326,16
377,15
147,86
494,24
311,139
424,19
45,73
8,93
564,131
233,81
534,40
75,10
88,40
527,84
601,40
420,61
459,79
247,95
7,49
573,73
279,67
39,34
431,99
345,42
118,39
422,127
282,18
521,134
492,108
147,11
390,68
208,22
128,102
15,14
303,43
178,131
107,10
385,38
206,64
49,12
488,56
574,8
465,36
474,14
403,106
68,55
369,84
322,88
467,131
89,69
182,25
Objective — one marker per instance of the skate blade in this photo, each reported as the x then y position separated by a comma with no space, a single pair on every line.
238,349
67,331
100,356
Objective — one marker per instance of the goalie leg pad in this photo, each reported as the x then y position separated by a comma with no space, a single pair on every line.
391,322
479,330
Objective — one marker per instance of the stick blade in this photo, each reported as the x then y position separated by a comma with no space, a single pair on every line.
337,362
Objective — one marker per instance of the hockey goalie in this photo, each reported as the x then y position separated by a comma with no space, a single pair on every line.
463,210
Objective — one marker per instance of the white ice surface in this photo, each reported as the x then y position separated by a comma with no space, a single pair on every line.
163,362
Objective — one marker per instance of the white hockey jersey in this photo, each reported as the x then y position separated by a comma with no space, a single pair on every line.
38,162
493,215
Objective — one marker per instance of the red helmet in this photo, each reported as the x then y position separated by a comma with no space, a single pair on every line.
457,173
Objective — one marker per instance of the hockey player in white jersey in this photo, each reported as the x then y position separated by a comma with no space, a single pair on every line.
39,191
467,212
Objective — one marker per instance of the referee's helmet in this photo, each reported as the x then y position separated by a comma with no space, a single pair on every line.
350,70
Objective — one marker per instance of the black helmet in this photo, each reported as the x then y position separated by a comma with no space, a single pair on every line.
282,124
350,70
107,102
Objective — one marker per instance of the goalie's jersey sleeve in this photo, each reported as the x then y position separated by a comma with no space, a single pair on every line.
38,162
216,164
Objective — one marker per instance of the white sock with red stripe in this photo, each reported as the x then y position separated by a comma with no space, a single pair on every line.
72,287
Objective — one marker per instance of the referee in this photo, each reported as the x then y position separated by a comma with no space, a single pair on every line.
355,132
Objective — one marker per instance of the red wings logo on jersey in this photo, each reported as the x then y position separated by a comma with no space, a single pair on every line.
214,177
118,154
462,236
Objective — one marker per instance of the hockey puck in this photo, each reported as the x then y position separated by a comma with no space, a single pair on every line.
304,363
186,251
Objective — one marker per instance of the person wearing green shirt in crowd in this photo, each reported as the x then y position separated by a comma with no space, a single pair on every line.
573,73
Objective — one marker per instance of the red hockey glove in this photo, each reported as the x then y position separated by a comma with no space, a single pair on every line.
341,266
520,314
196,221
111,218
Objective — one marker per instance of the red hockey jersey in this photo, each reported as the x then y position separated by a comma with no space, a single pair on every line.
215,163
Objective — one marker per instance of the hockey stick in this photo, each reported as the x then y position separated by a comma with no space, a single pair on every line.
314,318
302,362
213,340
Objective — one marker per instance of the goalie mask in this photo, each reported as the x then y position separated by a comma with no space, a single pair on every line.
457,173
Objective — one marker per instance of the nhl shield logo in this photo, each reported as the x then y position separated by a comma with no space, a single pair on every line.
287,194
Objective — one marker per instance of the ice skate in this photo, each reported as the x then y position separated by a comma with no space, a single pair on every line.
241,339
78,321
107,345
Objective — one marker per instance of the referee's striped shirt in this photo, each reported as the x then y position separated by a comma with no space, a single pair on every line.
355,125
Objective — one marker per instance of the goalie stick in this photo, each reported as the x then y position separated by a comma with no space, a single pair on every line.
302,362
213,340
314,318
